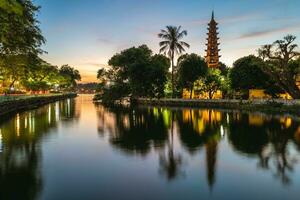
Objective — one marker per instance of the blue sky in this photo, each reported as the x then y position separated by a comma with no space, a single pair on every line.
86,33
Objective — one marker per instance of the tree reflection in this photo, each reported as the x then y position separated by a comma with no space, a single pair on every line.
20,176
137,131
269,139
170,164
202,128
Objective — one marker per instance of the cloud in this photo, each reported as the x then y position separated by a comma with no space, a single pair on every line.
94,64
266,32
240,18
229,19
105,41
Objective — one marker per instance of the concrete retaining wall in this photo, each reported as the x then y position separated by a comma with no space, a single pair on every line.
277,105
11,106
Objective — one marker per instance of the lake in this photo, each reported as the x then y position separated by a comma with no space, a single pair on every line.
74,149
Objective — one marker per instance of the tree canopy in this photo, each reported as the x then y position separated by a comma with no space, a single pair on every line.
19,30
278,57
190,68
70,76
20,48
247,74
136,72
172,45
211,82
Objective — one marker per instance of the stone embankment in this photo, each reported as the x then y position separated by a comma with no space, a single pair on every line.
272,105
10,105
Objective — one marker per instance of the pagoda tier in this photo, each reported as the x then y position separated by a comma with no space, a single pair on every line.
212,51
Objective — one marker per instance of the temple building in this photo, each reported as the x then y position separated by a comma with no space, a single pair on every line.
212,56
212,51
212,59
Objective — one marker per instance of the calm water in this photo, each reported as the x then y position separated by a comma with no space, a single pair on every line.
74,149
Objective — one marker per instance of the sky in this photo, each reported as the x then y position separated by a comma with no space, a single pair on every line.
86,33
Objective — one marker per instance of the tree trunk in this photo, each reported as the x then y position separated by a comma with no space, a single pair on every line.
293,90
210,95
12,83
191,93
172,76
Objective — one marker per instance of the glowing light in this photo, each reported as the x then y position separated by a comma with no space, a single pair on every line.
222,131
49,114
25,121
56,111
18,125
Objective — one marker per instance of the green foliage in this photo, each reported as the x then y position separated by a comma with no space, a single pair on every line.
19,31
281,66
190,68
158,71
294,67
113,93
134,72
211,83
171,45
247,74
224,69
40,75
13,67
69,75
20,42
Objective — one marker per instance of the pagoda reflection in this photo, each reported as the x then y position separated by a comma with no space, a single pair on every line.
140,131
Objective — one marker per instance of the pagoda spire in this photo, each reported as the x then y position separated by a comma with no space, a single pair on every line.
212,51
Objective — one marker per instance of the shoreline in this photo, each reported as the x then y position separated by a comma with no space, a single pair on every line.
261,105
11,106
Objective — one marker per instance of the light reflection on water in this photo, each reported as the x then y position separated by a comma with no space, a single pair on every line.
74,149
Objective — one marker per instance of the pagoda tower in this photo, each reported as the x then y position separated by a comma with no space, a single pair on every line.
212,51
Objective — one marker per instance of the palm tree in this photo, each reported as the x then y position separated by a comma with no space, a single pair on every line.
172,45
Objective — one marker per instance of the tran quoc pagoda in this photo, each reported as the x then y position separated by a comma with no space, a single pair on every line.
212,59
212,51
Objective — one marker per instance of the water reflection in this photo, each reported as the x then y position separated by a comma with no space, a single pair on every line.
269,139
20,156
274,141
124,126
75,150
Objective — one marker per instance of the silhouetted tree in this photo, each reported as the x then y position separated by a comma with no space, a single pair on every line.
278,56
190,68
171,45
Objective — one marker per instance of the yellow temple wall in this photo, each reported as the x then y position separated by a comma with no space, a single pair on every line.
260,94
186,95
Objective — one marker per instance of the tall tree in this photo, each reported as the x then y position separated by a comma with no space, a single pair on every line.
190,68
211,83
19,30
278,56
172,44
40,75
247,73
70,76
143,73
20,37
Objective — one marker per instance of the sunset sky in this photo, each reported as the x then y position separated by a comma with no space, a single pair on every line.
86,33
